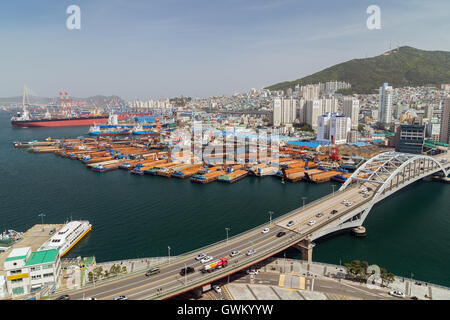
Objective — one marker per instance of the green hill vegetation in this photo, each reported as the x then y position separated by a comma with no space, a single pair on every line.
401,67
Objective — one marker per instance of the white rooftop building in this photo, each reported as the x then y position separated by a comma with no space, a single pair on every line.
335,126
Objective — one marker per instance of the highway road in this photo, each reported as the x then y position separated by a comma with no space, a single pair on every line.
169,282
141,287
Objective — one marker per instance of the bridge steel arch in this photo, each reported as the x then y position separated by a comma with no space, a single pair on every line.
391,171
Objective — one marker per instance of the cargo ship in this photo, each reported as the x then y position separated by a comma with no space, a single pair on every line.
67,237
24,119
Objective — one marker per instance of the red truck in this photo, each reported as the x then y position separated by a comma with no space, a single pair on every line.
222,263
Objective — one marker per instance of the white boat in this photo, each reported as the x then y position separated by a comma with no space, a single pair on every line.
67,237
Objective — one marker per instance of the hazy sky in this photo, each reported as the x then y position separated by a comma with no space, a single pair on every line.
153,49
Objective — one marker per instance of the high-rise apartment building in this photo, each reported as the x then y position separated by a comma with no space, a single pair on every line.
284,111
329,105
444,135
311,92
333,125
313,109
385,105
276,118
351,110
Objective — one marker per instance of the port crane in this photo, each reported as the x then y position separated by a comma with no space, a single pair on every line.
334,150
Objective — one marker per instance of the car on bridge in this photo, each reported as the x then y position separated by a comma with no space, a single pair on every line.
206,259
348,204
186,270
64,297
396,293
280,234
217,289
250,252
234,253
200,256
152,272
334,211
320,214
312,222
121,298
290,223
344,201
265,230
252,271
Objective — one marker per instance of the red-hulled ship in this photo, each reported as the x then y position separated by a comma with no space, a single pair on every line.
25,120
20,122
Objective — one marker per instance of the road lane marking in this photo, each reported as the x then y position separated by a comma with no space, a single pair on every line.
281,280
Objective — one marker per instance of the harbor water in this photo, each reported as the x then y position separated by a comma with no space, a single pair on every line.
135,216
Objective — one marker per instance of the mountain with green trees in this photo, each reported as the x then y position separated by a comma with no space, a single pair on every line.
405,66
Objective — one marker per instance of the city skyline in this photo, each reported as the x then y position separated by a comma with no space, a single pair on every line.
164,49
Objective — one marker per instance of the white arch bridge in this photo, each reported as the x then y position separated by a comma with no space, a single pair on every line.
384,175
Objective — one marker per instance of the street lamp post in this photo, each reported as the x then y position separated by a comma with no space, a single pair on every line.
303,198
42,219
333,185
227,229
168,249
270,217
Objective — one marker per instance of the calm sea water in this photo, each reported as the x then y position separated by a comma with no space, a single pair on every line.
135,216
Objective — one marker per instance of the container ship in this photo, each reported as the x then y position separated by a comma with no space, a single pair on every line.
67,237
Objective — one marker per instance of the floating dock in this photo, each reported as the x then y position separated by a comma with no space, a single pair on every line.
208,177
233,176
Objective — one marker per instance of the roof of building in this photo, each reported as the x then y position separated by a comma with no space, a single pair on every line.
40,257
311,144
15,258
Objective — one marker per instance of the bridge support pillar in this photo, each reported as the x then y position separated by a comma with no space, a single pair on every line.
306,249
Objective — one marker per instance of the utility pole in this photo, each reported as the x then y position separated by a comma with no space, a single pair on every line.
333,185
304,198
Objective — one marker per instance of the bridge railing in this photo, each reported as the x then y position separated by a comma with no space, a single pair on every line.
259,227
242,263
260,255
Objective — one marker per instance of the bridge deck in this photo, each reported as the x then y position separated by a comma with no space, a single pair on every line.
169,282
